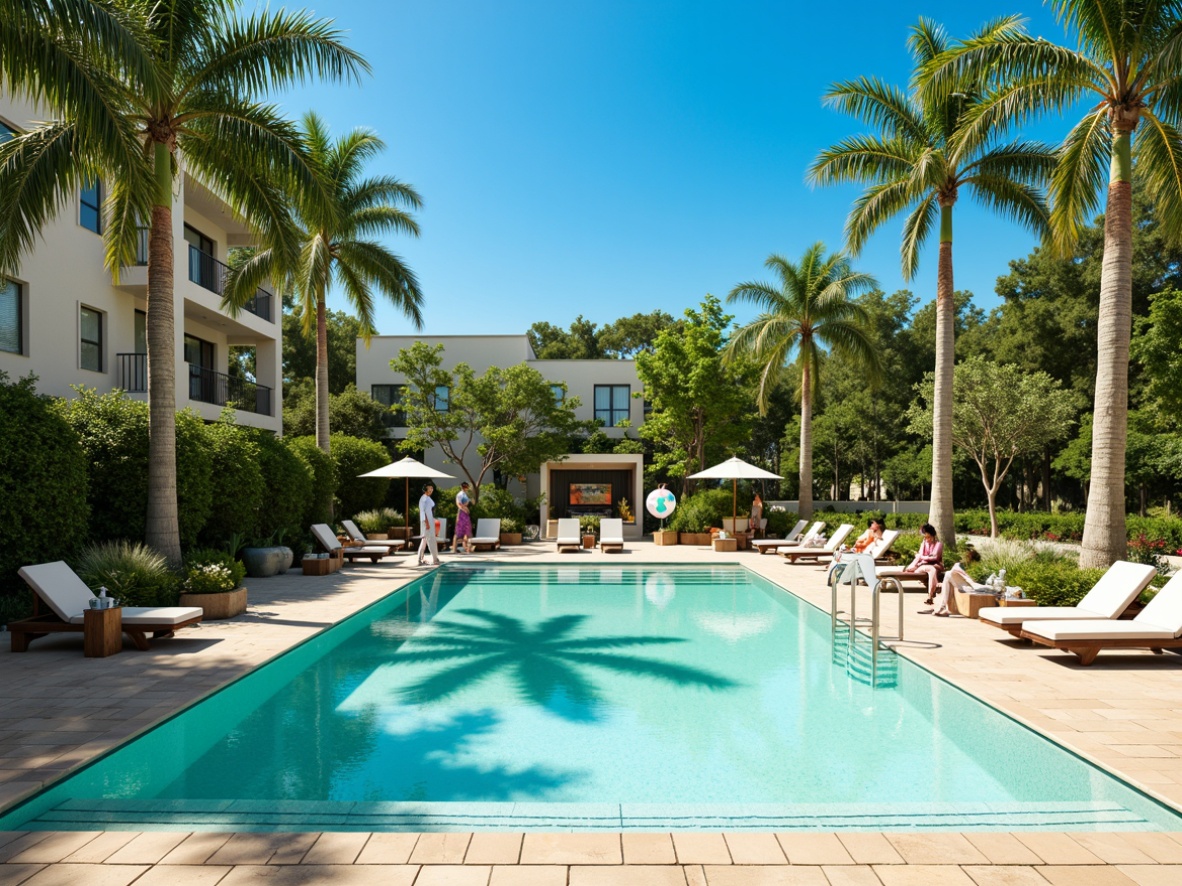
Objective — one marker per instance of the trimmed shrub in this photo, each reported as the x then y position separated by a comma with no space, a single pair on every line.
287,492
43,486
779,522
212,557
113,431
702,510
236,483
323,472
130,571
353,456
378,520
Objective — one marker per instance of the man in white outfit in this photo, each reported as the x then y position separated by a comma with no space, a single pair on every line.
427,526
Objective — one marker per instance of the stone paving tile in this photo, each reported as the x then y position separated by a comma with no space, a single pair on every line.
754,847
183,875
936,849
528,875
922,875
867,848
291,848
1002,848
387,849
494,848
245,848
1162,848
319,875
334,848
1004,875
644,848
100,848
1152,875
571,849
453,875
700,848
851,875
86,875
1112,848
1084,875
55,847
823,849
150,848
1057,849
193,848
627,875
764,875
15,874
695,875
440,849
22,842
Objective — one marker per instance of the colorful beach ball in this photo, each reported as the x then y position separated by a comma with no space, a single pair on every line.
661,503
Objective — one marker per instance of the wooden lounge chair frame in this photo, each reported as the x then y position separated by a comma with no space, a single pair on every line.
796,555
355,533
1087,650
322,531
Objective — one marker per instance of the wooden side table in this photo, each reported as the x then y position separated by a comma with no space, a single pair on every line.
102,632
969,604
1016,601
726,545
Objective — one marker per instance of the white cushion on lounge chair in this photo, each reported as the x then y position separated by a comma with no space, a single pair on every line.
1161,619
796,530
357,535
488,531
69,597
838,537
327,538
1110,596
568,532
611,532
153,615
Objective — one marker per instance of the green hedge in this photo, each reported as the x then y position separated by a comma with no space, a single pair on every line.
323,471
702,510
113,431
287,493
352,457
43,484
236,484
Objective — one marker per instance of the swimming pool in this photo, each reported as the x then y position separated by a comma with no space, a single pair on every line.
549,698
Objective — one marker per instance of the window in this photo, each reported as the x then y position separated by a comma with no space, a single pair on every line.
203,379
390,396
559,394
202,265
442,397
612,404
199,352
140,332
6,132
91,338
11,317
90,211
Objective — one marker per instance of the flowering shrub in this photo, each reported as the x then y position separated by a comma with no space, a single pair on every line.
1143,549
212,572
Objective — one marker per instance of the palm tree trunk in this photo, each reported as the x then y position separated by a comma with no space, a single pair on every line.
1105,537
805,509
162,527
941,514
322,431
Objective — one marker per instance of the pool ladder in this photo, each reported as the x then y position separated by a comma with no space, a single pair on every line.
855,568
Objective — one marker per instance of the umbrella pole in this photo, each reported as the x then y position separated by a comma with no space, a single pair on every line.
734,504
406,514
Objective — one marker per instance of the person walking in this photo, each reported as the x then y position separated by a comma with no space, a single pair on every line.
427,526
463,520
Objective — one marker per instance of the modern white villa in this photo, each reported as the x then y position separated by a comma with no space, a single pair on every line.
578,484
65,320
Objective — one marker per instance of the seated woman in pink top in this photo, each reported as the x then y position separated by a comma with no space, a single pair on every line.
929,560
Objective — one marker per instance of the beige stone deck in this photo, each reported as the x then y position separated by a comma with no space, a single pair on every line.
58,709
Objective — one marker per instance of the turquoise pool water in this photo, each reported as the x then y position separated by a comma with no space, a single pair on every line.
589,698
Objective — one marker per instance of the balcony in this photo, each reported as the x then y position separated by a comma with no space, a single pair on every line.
208,386
133,372
209,273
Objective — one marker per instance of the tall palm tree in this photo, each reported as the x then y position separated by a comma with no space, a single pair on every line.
811,310
335,224
139,91
1126,72
916,162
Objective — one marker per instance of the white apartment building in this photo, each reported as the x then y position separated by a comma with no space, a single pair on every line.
576,485
64,319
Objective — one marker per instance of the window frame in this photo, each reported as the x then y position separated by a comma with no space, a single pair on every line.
21,291
98,345
97,207
559,394
395,414
613,409
446,398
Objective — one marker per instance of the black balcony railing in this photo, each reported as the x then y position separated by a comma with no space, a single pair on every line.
208,386
133,372
206,271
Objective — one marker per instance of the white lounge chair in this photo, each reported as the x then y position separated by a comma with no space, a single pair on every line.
324,535
879,549
488,534
771,545
392,544
569,537
1110,596
68,597
611,534
796,555
1156,627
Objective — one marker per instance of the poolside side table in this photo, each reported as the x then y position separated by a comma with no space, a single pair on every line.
1017,601
102,632
726,545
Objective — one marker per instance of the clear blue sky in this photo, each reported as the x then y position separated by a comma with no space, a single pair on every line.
604,157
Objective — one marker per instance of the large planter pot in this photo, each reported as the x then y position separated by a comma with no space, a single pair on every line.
510,538
402,532
265,562
695,538
377,536
289,555
216,606
665,537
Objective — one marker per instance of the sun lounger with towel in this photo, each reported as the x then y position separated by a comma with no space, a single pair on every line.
794,555
611,534
68,597
324,536
1156,627
1110,596
487,535
569,536
391,544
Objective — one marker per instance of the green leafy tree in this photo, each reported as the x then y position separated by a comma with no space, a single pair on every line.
299,352
1155,347
999,413
581,342
628,336
700,406
919,158
338,223
134,90
350,412
509,418
1123,73
809,311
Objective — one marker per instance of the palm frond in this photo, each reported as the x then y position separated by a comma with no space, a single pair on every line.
880,105
926,41
874,207
1078,180
1012,200
863,158
916,229
385,271
1159,166
39,170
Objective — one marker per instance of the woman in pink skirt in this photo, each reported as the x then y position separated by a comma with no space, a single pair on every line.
464,519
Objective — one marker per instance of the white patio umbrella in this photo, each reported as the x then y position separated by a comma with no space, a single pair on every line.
734,469
406,468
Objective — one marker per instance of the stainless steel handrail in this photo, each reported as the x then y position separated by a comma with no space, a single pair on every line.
851,572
